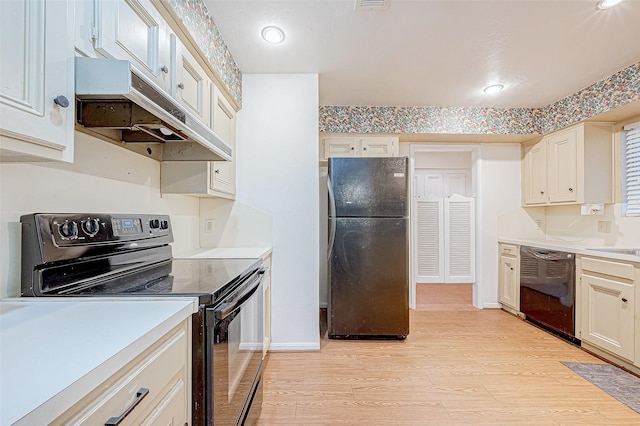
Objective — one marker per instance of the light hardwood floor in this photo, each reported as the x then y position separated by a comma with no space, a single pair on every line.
458,366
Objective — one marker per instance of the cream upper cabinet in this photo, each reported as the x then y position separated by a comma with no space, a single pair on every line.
571,166
36,80
359,146
562,157
134,30
379,146
608,306
534,169
509,276
190,84
206,178
223,123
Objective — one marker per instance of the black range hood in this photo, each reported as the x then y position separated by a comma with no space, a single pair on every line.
112,94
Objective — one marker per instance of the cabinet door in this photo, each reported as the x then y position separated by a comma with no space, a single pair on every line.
562,166
534,170
134,30
608,315
223,123
191,85
378,147
429,237
459,240
339,147
508,282
37,66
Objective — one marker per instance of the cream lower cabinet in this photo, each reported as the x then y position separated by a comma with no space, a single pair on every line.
37,80
360,146
509,276
153,389
266,263
608,306
571,166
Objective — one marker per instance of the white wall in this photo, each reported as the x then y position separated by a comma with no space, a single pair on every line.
498,193
277,140
103,178
234,224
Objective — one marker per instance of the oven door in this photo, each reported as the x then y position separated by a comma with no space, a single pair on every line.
234,331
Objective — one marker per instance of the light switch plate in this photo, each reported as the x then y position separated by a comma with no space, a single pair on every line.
604,226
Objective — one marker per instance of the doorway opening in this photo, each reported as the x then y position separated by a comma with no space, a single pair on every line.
443,226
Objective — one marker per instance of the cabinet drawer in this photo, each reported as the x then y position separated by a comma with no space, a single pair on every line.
155,370
508,250
608,267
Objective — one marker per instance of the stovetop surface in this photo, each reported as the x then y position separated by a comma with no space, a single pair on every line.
209,279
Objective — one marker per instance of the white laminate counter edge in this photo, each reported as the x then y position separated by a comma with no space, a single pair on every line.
167,314
572,247
226,253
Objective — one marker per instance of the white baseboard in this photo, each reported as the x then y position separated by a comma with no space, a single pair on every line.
307,346
493,305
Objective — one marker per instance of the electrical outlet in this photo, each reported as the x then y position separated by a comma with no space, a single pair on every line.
209,225
604,226
540,224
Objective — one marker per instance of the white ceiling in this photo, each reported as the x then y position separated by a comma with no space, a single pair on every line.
435,53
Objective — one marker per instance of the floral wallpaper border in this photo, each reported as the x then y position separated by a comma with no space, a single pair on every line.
198,21
616,90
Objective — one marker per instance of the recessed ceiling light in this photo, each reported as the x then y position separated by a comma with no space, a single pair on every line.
494,88
273,34
606,4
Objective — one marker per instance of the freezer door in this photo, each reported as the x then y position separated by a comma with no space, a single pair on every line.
368,187
369,279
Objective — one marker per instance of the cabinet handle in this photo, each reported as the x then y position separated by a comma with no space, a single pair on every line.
217,171
624,299
61,100
541,192
364,149
180,86
570,189
352,148
114,421
511,269
164,69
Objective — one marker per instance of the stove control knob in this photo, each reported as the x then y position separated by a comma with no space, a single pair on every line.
91,226
68,230
154,223
164,224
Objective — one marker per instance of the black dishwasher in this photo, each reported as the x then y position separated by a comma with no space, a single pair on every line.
548,290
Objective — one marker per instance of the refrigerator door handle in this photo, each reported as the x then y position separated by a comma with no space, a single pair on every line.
332,217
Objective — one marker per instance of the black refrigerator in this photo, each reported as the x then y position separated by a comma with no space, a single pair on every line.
368,249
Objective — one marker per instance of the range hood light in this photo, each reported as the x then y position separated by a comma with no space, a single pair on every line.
165,131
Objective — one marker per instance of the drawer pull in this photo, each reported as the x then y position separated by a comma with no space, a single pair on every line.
114,421
624,299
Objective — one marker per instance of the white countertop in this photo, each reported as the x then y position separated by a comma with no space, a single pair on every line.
226,253
573,247
54,351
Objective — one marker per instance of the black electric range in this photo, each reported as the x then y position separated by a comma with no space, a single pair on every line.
116,255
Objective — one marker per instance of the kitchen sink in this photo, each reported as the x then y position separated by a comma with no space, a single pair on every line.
631,251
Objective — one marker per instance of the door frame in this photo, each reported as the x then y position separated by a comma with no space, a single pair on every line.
476,174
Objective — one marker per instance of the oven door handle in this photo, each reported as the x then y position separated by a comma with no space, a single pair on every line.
225,309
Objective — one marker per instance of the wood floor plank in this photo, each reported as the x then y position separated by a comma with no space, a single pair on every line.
458,366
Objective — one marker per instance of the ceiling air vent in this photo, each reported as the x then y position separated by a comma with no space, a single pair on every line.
371,5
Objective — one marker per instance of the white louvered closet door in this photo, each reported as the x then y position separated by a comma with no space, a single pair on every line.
459,230
430,240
